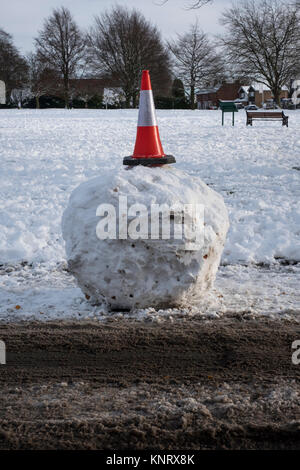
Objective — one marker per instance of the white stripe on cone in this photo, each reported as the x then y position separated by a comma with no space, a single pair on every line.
147,115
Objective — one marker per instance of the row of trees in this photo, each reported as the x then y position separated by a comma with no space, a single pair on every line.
13,67
261,43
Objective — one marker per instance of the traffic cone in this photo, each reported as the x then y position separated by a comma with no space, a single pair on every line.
148,150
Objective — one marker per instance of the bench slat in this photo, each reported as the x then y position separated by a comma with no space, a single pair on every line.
265,115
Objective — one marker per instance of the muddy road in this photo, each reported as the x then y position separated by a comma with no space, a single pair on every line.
123,384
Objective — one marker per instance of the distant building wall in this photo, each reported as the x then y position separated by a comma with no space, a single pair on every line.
2,92
261,98
210,97
206,100
228,91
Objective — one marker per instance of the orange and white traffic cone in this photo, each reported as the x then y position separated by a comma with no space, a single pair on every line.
148,150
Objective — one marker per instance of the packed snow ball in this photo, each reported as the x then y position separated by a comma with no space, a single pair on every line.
144,237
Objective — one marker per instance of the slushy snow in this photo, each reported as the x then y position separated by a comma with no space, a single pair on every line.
46,154
128,273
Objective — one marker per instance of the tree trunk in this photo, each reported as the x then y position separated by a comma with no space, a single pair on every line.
127,100
37,102
192,97
134,100
276,94
66,91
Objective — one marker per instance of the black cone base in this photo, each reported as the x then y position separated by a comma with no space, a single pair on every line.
167,159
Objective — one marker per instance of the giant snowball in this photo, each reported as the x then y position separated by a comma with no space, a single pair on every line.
117,243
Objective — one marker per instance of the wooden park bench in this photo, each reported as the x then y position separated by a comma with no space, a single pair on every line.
267,116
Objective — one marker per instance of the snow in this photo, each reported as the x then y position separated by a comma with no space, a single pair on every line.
45,154
129,273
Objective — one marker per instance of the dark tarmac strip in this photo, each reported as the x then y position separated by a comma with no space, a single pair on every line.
192,384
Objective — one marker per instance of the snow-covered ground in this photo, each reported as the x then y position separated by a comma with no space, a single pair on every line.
45,154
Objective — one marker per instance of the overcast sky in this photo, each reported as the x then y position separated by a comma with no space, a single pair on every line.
23,18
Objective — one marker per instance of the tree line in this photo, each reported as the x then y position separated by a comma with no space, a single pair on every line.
260,43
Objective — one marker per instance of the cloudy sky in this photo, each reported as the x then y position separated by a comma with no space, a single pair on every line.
23,18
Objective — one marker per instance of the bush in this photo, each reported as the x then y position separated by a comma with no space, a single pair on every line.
77,103
169,102
8,106
45,102
164,102
95,102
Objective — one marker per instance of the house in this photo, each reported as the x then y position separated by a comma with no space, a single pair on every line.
259,94
246,95
209,98
2,92
296,93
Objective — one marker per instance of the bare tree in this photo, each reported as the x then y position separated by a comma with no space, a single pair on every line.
196,61
193,4
61,46
42,80
13,67
121,44
263,41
